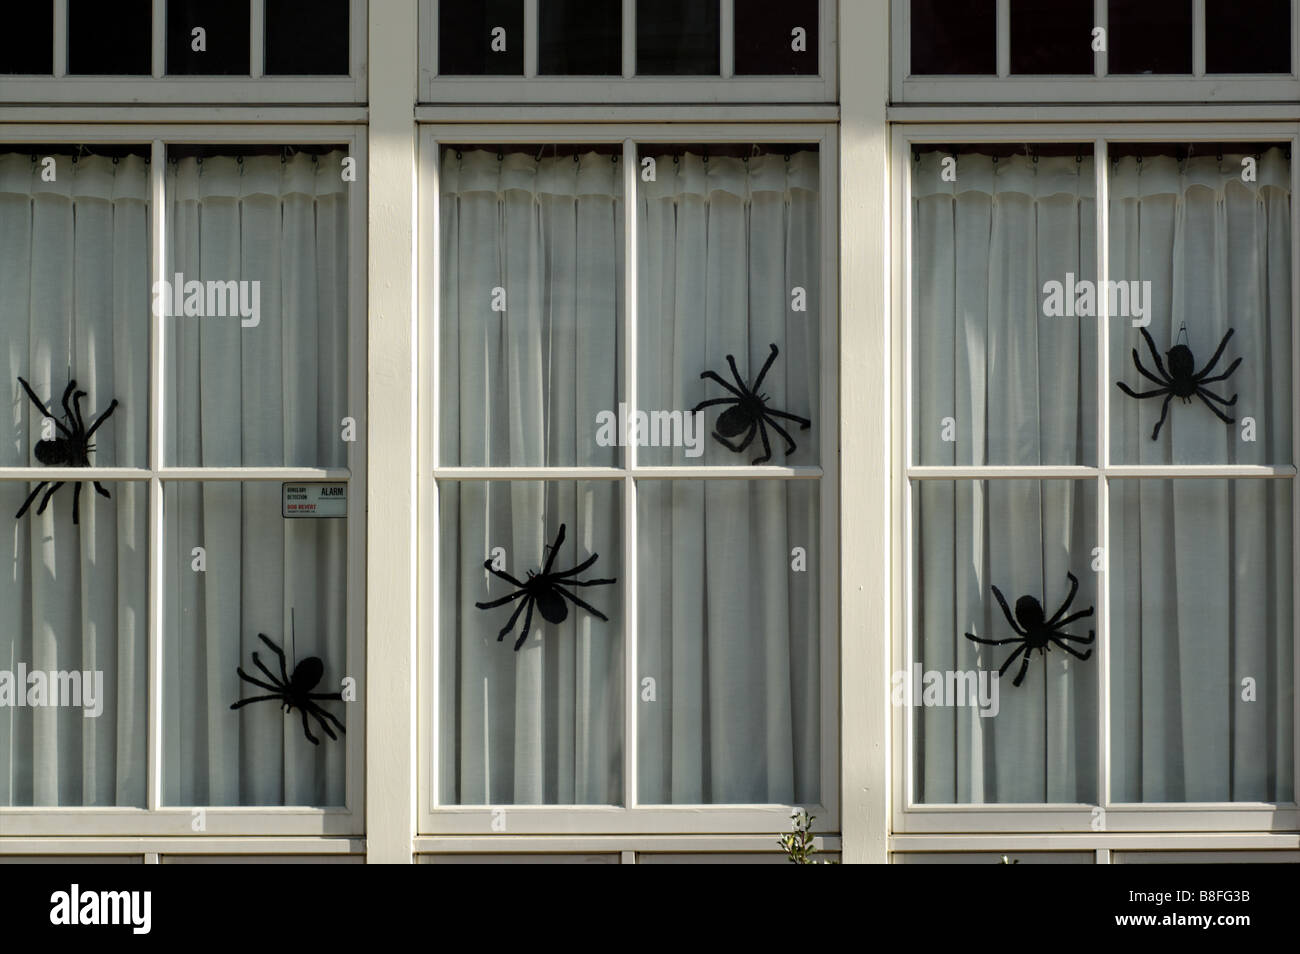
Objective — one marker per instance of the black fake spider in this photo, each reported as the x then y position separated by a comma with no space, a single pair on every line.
749,413
1182,379
294,692
71,450
1035,632
546,590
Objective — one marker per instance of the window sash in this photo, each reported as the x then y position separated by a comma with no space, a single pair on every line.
435,819
157,819
910,816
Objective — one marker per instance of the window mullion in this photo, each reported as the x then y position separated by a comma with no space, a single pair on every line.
1101,18
629,322
1101,170
1198,38
256,38
531,39
159,44
727,37
1004,38
158,267
60,38
629,39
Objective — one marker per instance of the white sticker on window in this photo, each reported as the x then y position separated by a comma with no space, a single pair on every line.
314,500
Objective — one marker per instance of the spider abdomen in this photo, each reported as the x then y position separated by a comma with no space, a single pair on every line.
307,674
736,420
551,605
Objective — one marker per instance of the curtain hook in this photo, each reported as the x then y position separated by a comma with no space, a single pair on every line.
675,160
1182,333
1078,158
459,155
501,155
613,157
575,157
538,157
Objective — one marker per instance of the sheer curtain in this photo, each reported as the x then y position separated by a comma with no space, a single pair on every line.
74,299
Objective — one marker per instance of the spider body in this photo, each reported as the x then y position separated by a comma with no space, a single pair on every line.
748,413
72,449
546,591
294,691
1034,631
1181,379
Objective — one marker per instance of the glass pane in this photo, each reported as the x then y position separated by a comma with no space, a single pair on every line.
775,37
530,688
1014,720
1052,37
74,648
242,579
580,37
27,42
1248,38
1149,36
74,293
255,303
954,37
1003,305
110,38
729,642
677,38
1204,262
729,306
481,39
307,37
532,273
222,45
1202,683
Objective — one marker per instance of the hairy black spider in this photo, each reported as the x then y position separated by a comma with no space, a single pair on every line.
546,590
1035,632
71,450
749,413
1182,379
294,692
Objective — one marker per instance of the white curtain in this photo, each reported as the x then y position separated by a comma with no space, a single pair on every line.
74,279
274,393
728,630
1201,570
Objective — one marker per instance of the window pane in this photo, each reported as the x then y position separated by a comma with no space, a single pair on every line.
27,42
729,272
677,37
979,737
255,302
260,574
74,648
532,273
222,47
1247,38
110,38
954,37
581,37
535,717
1003,304
1149,36
481,39
1052,37
729,632
776,37
307,37
74,293
1202,682
1208,257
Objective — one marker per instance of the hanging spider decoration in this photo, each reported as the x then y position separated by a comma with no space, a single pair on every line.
294,692
71,450
546,591
749,413
1035,632
1182,379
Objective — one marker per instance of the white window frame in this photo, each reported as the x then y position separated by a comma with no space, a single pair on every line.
565,820
911,818
73,825
1099,88
160,88
628,89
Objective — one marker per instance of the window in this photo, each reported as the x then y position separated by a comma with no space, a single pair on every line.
583,286
1101,433
204,297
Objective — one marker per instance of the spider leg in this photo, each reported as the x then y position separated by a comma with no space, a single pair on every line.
1140,394
737,448
243,702
803,422
709,403
30,497
528,621
307,728
791,446
46,499
269,675
767,448
1024,668
758,381
77,419
1219,414
1160,365
273,686
1006,611
714,376
1164,409
581,602
487,565
320,711
589,582
1091,638
993,642
43,409
1012,658
510,624
1215,360
555,549
284,673
1071,618
739,380
501,602
1206,392
99,489
1218,377
76,503
318,714
102,418
1074,588
1163,381
1087,654
324,695
561,574
72,418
